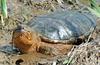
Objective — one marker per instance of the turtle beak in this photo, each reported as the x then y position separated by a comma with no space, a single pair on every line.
20,28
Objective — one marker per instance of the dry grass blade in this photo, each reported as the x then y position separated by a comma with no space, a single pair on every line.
70,55
86,54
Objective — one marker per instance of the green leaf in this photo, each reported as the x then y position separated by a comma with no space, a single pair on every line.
4,8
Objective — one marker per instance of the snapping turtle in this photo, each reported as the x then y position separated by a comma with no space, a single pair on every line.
53,33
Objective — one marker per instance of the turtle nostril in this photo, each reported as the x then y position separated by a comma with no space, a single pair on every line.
19,61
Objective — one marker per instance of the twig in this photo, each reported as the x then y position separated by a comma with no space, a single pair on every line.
70,57
90,34
54,62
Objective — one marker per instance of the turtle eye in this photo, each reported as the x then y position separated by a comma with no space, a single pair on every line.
29,38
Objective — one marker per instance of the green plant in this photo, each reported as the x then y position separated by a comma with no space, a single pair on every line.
3,11
68,61
94,8
4,8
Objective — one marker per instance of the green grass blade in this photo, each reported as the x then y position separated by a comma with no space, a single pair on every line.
94,5
94,9
4,8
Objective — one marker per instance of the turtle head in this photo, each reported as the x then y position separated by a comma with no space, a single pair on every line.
23,35
23,38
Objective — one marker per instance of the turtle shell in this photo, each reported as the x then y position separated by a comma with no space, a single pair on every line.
63,25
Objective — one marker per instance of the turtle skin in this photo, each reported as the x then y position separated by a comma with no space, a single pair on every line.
55,33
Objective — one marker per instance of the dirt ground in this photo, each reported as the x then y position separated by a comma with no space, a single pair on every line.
22,11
